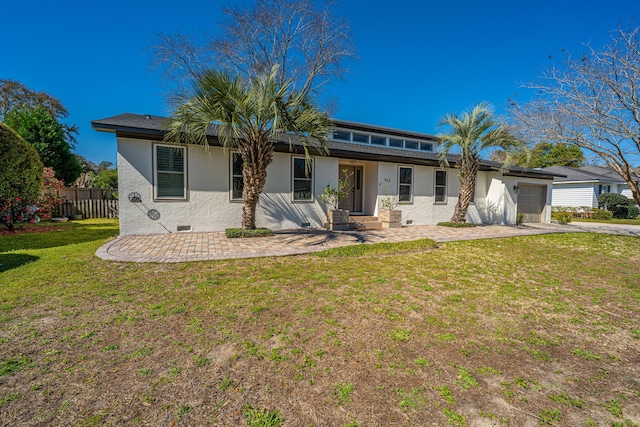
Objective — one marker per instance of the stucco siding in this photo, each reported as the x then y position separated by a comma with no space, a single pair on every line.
276,208
208,206
496,199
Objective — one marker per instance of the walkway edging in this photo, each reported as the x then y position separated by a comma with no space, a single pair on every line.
184,247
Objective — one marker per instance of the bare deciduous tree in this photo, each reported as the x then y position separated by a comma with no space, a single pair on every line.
309,44
592,102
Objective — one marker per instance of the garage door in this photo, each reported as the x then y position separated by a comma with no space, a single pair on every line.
531,201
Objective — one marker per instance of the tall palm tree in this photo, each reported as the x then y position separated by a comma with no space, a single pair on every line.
473,132
251,114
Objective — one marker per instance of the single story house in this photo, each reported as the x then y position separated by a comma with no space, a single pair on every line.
580,187
167,188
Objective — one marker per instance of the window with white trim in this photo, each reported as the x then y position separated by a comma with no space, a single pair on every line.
302,179
237,180
441,186
170,166
405,184
604,189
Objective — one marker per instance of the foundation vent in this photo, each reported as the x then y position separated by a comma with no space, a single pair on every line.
184,228
305,224
409,222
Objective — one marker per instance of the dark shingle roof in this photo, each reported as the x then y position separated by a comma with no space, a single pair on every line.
603,171
153,127
585,174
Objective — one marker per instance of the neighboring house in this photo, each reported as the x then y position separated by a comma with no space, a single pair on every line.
580,187
168,188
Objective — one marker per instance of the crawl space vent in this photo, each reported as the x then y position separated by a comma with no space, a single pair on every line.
184,228
409,222
305,224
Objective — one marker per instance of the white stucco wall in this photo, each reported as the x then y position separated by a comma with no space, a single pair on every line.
208,206
496,199
207,191
422,209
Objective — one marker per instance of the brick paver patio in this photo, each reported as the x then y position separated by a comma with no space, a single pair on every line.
181,247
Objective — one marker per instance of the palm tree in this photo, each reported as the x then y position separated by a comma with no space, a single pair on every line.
251,114
473,132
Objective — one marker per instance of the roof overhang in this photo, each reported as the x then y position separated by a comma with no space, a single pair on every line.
147,127
529,174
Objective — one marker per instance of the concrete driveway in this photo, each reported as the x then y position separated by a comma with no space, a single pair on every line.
597,227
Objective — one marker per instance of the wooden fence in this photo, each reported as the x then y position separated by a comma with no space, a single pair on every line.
88,202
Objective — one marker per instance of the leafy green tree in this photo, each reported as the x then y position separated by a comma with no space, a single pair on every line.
471,134
545,154
14,96
44,133
100,175
20,174
108,178
89,166
251,115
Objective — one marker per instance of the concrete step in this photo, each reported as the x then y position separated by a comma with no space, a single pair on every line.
361,222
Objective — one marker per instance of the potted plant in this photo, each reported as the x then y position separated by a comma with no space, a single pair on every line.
338,219
389,215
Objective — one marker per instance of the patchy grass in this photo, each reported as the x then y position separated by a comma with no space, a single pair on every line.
518,331
456,224
377,249
241,232
262,417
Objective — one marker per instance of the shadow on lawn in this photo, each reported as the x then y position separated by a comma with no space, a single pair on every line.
57,236
9,261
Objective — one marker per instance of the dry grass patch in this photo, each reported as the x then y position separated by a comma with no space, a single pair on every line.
493,332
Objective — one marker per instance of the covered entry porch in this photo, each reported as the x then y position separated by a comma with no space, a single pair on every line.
362,187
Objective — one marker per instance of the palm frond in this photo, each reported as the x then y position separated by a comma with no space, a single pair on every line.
473,132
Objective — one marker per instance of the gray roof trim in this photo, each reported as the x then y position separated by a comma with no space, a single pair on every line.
153,127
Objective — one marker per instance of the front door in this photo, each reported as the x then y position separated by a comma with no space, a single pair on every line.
353,176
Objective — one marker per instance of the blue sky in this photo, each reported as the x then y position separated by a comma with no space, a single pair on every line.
418,59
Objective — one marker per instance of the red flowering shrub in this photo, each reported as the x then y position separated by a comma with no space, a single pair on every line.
49,200
17,210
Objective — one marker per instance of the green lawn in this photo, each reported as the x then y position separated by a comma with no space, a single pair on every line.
506,332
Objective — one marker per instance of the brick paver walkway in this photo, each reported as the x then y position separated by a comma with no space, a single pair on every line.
180,247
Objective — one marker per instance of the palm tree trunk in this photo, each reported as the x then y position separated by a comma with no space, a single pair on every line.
467,187
256,158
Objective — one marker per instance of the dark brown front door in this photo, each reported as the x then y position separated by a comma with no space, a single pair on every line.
353,175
